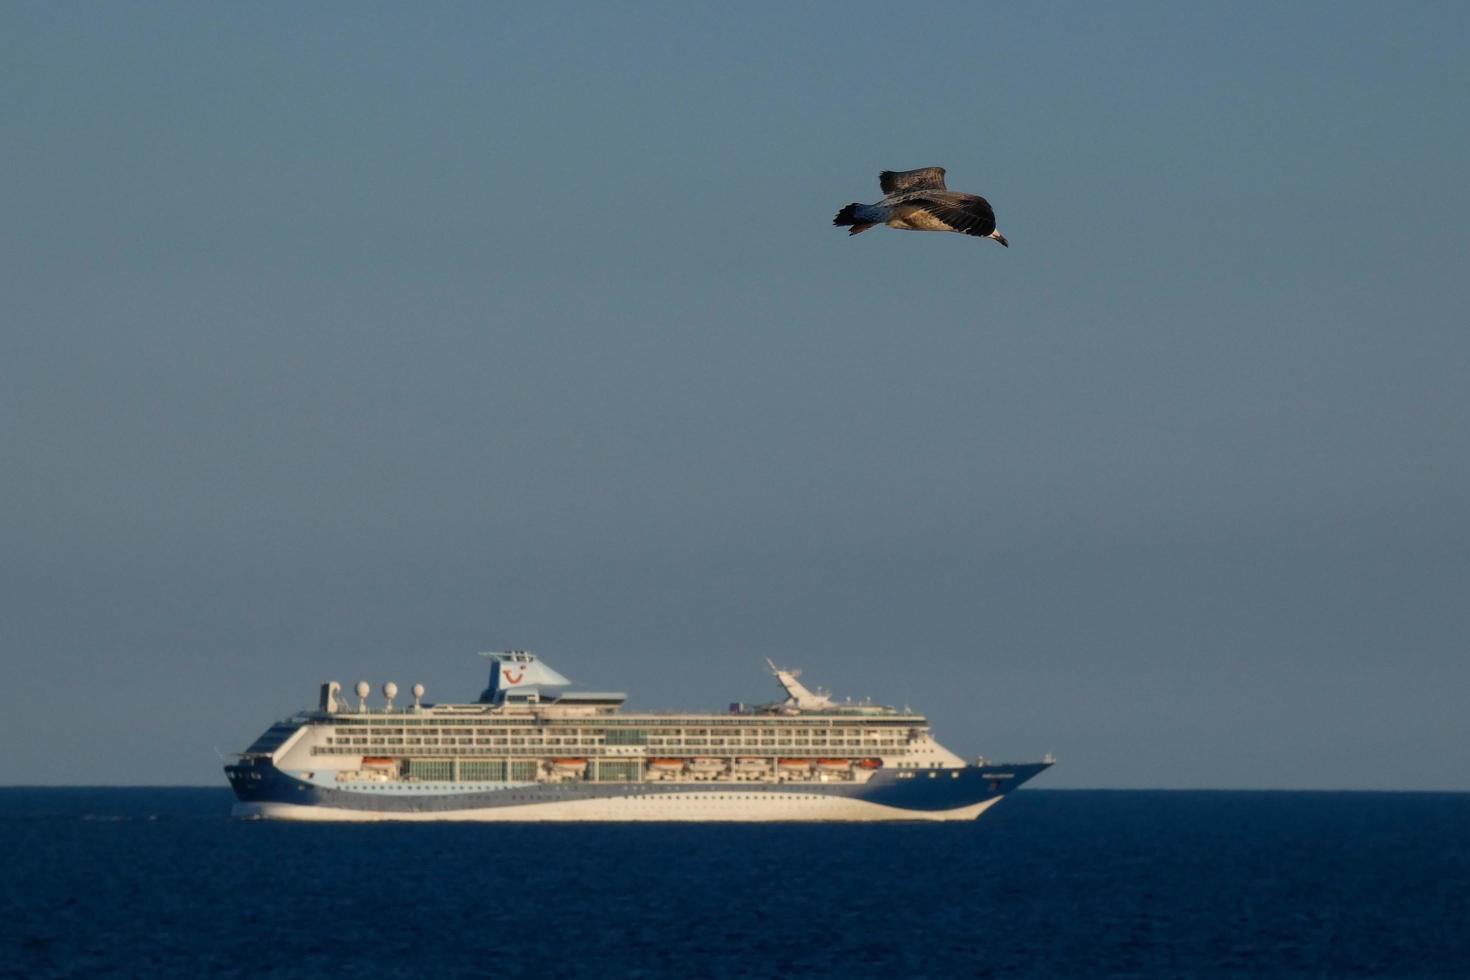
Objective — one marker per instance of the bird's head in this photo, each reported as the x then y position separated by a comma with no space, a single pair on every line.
999,237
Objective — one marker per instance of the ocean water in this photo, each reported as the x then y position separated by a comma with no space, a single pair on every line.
160,882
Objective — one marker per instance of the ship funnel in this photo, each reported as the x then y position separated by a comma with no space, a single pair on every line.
518,670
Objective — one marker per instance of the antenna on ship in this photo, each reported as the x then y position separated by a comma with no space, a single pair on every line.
418,693
363,690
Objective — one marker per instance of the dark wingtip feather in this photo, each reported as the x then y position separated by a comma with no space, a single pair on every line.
847,216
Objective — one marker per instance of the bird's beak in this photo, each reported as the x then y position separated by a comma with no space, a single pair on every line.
999,237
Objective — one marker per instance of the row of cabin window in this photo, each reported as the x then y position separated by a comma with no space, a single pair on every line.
377,721
498,726
657,743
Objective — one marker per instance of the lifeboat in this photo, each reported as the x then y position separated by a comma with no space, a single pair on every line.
666,764
706,764
871,763
834,763
378,762
749,763
569,763
794,763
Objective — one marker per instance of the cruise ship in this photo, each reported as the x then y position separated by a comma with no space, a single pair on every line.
534,749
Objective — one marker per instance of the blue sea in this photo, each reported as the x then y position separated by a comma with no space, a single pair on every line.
161,882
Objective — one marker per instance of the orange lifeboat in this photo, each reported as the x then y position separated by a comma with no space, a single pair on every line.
794,763
834,763
569,763
378,762
871,763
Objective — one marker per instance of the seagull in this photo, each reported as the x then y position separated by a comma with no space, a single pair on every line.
917,200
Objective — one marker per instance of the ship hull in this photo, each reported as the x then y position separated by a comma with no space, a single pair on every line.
266,792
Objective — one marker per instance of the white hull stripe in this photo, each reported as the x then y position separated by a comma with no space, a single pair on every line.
749,808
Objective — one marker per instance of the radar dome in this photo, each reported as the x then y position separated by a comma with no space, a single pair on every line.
390,690
364,689
418,690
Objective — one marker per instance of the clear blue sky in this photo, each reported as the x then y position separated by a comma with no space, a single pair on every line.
343,341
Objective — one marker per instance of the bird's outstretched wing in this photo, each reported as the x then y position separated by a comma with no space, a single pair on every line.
965,213
925,178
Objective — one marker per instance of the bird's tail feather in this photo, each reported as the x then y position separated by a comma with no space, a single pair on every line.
858,218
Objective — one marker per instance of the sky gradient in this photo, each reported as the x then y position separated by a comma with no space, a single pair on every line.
343,341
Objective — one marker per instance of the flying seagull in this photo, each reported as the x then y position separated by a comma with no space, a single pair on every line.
917,200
